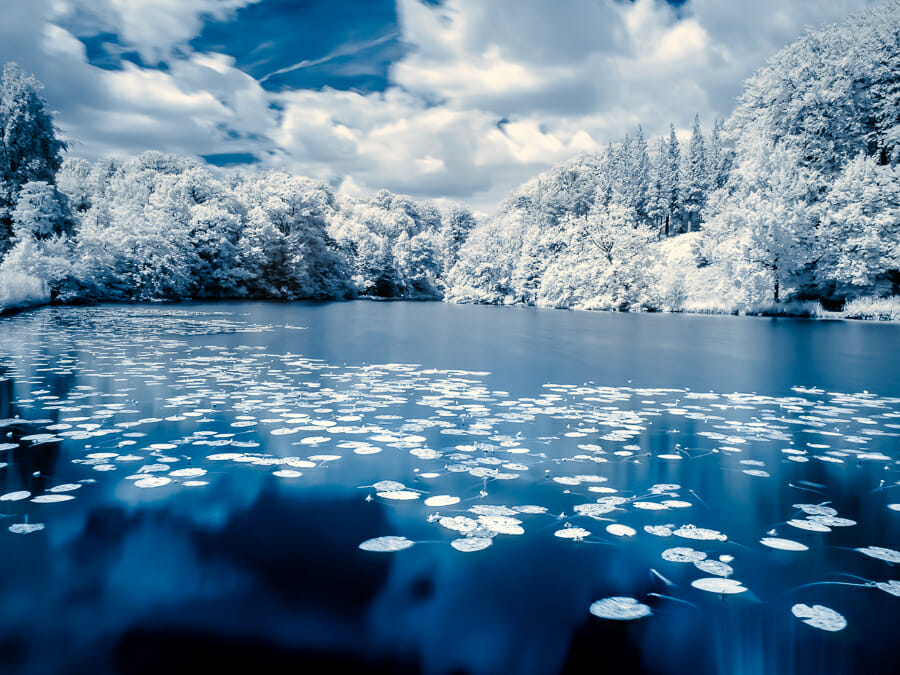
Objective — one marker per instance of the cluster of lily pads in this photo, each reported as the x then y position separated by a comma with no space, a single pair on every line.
292,416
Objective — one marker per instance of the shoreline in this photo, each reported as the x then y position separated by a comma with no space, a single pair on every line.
810,310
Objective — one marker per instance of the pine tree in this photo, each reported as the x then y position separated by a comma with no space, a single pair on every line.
696,177
656,199
639,177
670,178
719,158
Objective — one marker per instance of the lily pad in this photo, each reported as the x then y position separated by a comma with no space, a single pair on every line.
683,554
471,544
459,524
886,554
783,544
658,530
576,533
819,616
152,482
65,487
892,587
810,525
441,500
718,585
388,486
50,499
716,567
17,496
620,609
620,530
26,528
387,544
399,495
593,510
701,533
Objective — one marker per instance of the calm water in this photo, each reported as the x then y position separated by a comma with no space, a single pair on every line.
225,463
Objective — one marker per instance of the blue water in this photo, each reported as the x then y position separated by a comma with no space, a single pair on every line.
192,545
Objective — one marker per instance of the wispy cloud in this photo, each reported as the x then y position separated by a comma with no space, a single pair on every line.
340,52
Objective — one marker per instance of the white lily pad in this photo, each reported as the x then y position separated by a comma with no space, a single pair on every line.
399,495
593,510
886,554
576,533
26,528
832,521
650,506
388,486
683,554
471,544
501,524
620,530
387,544
816,509
892,587
530,509
701,533
442,500
620,609
716,567
50,499
187,473
809,525
819,616
658,530
459,524
718,585
152,482
65,487
783,544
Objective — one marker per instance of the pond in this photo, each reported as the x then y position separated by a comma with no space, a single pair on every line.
429,488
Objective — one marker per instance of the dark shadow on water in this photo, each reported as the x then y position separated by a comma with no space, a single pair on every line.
146,650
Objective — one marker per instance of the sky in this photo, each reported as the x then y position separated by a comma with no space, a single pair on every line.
451,100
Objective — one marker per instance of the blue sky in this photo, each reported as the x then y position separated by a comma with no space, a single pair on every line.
441,99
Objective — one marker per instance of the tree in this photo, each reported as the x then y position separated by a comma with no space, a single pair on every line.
606,265
456,224
29,148
762,229
41,212
670,179
696,177
656,198
831,94
215,232
859,236
637,177
719,163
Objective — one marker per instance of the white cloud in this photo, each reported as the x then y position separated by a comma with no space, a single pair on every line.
152,27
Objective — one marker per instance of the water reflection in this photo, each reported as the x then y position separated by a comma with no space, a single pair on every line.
227,564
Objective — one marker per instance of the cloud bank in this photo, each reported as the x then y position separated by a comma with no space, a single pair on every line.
458,99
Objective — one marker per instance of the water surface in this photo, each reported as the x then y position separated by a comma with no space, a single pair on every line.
226,461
